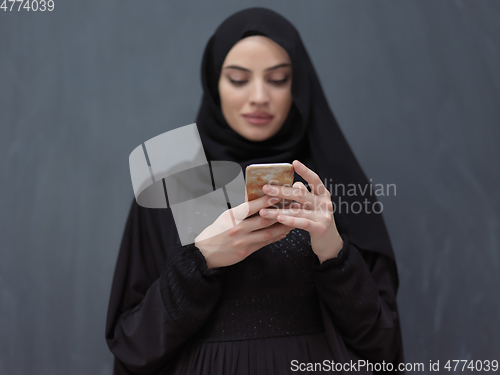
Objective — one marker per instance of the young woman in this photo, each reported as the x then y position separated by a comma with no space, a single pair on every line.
251,300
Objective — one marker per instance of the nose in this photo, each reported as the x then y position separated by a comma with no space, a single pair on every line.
259,94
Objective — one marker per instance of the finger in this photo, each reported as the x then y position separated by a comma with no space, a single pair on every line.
311,177
290,193
299,185
258,222
288,205
273,213
267,234
296,205
287,197
313,227
247,209
282,205
304,198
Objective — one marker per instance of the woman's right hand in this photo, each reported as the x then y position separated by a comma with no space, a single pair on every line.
224,244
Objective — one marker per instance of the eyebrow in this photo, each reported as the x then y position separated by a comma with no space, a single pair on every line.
248,70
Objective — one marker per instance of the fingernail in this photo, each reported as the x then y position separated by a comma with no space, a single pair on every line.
274,200
264,212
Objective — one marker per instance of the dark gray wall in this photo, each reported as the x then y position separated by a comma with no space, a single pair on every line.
415,86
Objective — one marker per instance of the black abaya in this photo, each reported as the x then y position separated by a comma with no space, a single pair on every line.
168,314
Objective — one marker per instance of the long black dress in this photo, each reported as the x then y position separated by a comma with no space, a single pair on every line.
170,315
278,309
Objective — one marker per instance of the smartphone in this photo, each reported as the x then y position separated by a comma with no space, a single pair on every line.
258,175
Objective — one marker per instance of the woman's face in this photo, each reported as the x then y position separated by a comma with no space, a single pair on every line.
255,87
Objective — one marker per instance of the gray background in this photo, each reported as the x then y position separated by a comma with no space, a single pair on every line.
415,86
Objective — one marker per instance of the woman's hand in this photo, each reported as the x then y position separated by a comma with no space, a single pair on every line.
224,243
313,212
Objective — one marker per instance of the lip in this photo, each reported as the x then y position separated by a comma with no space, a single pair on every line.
258,117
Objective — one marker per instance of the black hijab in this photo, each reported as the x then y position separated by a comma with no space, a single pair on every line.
310,132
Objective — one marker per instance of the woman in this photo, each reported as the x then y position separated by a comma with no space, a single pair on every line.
270,305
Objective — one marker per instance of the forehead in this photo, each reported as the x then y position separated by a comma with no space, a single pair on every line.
256,51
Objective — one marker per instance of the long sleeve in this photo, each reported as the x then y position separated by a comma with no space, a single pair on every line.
162,293
359,290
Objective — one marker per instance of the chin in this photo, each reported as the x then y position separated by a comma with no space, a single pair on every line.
255,133
258,136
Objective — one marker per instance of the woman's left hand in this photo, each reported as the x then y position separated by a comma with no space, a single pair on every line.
313,212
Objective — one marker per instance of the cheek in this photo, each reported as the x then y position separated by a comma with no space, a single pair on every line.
283,100
231,99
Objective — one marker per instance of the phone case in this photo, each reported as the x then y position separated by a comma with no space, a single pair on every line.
258,175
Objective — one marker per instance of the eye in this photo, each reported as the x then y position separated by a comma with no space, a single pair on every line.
279,82
237,83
